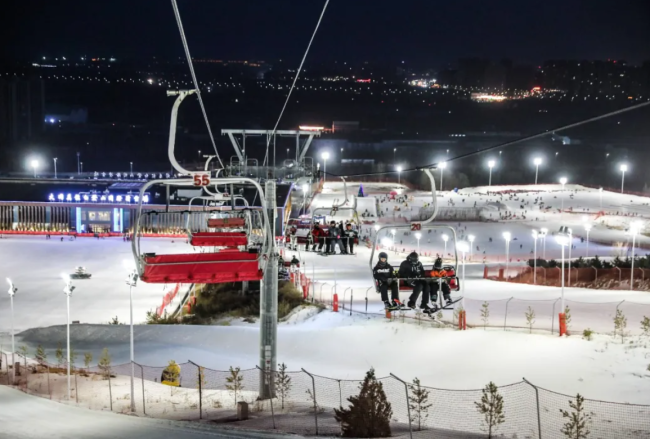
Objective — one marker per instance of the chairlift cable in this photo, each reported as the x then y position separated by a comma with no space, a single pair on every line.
196,82
295,79
506,144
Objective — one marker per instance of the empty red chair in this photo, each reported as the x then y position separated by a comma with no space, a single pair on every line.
225,223
222,267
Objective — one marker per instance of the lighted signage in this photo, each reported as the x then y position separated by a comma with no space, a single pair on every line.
94,198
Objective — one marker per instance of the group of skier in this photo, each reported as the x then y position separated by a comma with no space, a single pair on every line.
412,271
336,235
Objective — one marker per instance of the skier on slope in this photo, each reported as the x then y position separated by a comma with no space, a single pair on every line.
350,235
383,274
442,284
412,270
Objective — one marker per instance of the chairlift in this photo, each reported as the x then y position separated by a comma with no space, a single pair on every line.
448,271
231,265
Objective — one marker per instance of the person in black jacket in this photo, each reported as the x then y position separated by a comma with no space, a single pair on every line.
383,274
350,235
334,239
412,270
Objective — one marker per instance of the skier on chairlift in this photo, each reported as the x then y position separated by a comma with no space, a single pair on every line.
413,271
440,284
384,276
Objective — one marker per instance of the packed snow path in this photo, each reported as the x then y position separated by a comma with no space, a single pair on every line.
57,420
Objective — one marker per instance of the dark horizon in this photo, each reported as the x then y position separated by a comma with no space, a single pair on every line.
418,33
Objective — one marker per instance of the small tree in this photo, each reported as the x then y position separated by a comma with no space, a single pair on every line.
530,319
88,358
577,420
485,313
59,356
23,351
620,323
114,321
234,382
282,382
105,363
41,356
369,412
645,326
491,407
73,358
418,403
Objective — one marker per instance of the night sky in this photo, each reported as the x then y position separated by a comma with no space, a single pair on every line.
420,32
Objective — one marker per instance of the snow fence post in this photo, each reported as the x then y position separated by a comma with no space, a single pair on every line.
313,383
553,317
408,407
76,389
144,406
539,419
351,297
367,298
505,318
199,378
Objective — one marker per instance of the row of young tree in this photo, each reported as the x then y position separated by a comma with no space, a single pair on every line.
61,356
595,262
619,321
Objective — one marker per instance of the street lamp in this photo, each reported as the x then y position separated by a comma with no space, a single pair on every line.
12,293
491,164
535,237
78,167
445,238
463,247
418,235
199,155
588,229
131,164
544,231
68,292
131,281
442,167
399,170
623,171
563,239
34,164
537,162
82,166
394,151
55,159
635,228
570,233
325,156
471,239
507,236
305,188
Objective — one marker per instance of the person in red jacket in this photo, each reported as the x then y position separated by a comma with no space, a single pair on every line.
317,238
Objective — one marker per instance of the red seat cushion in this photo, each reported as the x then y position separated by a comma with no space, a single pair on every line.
219,239
202,268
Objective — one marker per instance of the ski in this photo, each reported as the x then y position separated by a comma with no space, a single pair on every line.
447,306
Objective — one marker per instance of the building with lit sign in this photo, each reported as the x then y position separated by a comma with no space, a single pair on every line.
105,206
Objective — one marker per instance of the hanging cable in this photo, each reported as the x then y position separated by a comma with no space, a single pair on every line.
196,83
506,144
295,79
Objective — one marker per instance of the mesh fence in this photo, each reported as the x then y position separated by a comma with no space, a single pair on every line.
304,403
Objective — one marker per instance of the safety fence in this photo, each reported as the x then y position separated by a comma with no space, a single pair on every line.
304,403
508,313
583,277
